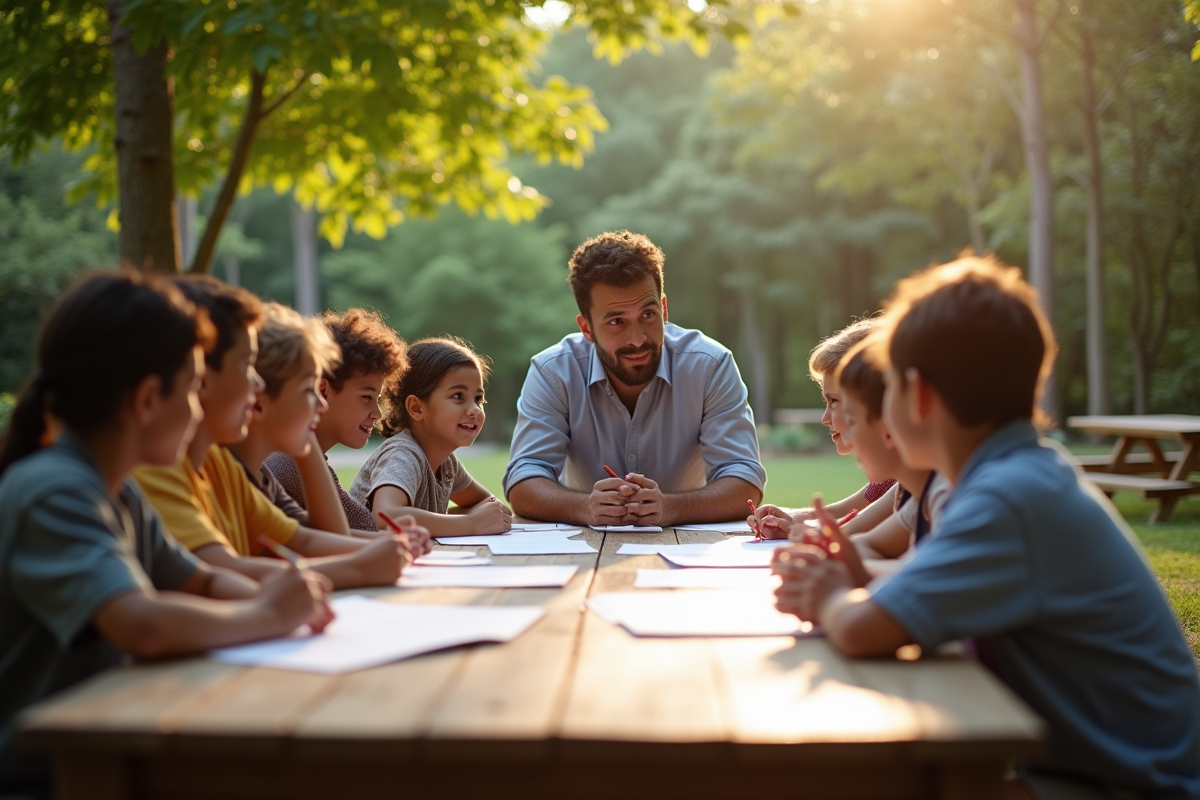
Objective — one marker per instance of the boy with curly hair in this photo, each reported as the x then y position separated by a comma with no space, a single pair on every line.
373,355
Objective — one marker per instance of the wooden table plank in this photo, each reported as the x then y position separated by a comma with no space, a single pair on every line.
515,691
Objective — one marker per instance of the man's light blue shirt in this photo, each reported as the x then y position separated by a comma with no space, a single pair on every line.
1034,564
690,426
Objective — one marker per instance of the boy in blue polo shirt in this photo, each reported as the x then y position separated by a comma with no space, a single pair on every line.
1029,561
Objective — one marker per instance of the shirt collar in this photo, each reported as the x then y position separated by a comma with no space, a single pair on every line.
71,442
596,373
1008,437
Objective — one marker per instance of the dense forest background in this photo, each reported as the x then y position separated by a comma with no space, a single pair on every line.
790,182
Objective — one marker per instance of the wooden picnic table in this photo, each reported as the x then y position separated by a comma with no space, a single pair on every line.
1123,468
573,708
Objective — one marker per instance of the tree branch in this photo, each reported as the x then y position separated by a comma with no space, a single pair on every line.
283,98
237,167
1052,24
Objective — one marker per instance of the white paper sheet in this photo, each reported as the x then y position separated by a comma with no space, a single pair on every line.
724,559
705,579
700,613
452,558
628,528
740,526
367,633
522,577
520,546
544,535
518,527
732,545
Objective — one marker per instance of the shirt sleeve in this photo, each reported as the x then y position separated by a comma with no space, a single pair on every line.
262,516
168,491
397,467
284,501
287,473
170,564
462,478
543,432
728,440
972,579
68,563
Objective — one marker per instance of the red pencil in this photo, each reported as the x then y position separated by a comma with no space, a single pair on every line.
391,523
853,513
611,474
757,530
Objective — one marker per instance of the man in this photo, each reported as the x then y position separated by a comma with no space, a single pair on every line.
662,405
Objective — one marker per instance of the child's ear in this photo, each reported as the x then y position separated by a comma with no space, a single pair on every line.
414,406
145,399
323,388
921,396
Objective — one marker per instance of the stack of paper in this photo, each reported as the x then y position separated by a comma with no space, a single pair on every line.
523,577
551,535
520,527
705,579
527,543
451,558
627,528
367,633
710,613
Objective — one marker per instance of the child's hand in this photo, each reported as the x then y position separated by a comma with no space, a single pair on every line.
810,577
770,522
829,537
490,516
297,597
380,562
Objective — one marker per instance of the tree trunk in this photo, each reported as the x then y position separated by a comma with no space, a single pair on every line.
186,212
149,238
978,239
237,167
1037,164
1097,298
304,249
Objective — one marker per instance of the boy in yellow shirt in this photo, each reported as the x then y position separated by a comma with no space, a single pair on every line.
209,504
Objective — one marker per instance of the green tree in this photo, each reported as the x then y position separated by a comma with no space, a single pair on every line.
369,109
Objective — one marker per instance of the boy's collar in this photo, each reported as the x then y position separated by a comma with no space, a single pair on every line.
1003,440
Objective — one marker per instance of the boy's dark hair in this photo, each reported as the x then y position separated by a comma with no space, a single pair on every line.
368,345
830,351
973,329
428,361
858,376
231,309
614,258
104,336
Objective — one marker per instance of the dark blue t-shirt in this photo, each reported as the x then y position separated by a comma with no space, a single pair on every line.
1036,565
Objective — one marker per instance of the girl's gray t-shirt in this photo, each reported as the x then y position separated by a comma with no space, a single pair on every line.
401,462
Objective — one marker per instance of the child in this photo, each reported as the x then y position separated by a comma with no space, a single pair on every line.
89,576
208,503
373,355
293,353
822,367
434,409
1029,560
923,493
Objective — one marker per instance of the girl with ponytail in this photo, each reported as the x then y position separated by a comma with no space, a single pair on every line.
87,576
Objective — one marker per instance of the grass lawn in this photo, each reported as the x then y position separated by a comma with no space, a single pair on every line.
1173,548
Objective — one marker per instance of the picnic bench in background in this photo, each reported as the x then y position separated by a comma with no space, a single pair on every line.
1154,474
573,708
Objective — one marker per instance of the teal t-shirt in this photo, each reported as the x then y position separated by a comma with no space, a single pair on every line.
1039,569
67,547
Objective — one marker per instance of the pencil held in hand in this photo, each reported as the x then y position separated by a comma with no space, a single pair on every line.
610,472
295,559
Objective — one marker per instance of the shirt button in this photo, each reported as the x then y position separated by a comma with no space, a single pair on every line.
629,457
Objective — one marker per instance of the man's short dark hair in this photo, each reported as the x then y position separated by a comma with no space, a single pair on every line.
973,329
613,258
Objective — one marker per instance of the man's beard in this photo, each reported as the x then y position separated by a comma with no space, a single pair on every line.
631,376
